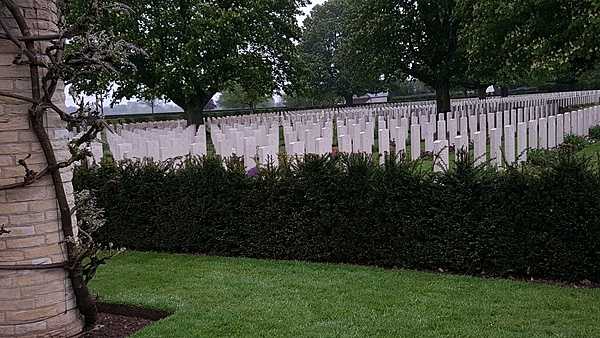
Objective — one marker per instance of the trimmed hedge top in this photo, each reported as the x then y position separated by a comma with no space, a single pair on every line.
539,221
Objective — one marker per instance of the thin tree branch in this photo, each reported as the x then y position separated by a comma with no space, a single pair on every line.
15,10
46,37
18,15
37,176
90,134
12,7
18,97
8,35
63,115
43,37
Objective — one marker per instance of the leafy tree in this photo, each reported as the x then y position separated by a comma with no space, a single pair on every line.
332,68
416,37
238,97
471,44
530,41
197,48
567,30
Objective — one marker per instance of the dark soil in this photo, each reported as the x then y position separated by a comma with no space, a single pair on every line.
119,321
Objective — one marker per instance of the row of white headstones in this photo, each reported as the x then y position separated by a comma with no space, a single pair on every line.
257,137
509,136
311,132
254,141
157,140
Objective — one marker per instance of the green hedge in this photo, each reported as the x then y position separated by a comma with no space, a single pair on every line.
539,221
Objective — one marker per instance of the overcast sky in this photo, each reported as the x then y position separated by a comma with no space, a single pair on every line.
306,10
309,7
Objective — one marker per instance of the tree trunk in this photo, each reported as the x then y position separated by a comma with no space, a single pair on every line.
349,98
442,96
194,110
194,115
504,91
481,92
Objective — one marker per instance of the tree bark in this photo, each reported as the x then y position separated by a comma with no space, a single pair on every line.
194,109
504,91
194,114
349,98
442,96
481,92
85,302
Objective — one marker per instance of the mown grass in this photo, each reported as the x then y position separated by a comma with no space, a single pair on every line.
591,150
217,297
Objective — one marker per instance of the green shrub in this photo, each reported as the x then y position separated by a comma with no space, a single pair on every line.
575,142
526,221
595,133
541,157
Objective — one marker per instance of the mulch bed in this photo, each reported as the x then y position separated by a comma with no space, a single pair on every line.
119,321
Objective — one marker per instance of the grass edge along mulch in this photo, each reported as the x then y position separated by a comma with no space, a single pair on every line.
118,320
214,297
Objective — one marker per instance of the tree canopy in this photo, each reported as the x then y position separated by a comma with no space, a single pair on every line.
531,41
332,69
470,43
419,38
196,48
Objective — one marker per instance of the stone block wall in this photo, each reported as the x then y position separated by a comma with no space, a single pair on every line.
33,303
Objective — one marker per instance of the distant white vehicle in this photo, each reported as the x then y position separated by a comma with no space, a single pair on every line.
371,98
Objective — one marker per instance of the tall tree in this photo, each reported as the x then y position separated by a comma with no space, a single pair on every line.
332,67
511,42
197,48
416,37
471,43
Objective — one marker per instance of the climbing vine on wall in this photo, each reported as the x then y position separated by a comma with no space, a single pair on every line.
85,54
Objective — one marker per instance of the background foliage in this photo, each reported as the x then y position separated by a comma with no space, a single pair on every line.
196,48
331,66
473,44
238,97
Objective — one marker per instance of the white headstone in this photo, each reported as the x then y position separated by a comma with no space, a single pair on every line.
400,139
509,144
551,132
522,141
415,141
543,133
384,141
567,124
560,131
495,146
441,129
452,130
479,148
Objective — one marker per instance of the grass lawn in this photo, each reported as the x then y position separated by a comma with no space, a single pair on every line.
213,297
591,150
